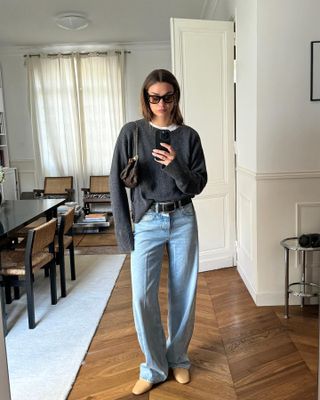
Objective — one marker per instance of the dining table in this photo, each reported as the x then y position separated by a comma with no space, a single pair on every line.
14,214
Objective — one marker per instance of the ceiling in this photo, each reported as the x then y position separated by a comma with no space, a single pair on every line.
31,22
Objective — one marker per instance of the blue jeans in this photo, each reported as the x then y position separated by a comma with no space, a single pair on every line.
178,231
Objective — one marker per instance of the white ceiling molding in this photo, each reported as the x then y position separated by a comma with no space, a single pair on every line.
71,47
208,9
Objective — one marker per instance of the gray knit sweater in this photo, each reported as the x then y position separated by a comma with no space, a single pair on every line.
184,177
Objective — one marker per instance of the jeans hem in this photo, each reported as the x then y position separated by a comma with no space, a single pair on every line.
177,365
150,381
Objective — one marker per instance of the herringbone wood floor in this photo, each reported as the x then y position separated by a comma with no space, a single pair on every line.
238,350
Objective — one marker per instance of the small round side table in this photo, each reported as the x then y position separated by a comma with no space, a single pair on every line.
303,288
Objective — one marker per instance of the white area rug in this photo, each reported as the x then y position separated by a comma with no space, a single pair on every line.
43,362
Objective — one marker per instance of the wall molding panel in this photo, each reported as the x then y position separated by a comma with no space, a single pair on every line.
260,176
27,174
245,239
306,214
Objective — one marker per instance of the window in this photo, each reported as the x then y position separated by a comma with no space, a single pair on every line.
76,104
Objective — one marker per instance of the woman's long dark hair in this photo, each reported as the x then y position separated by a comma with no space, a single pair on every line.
161,75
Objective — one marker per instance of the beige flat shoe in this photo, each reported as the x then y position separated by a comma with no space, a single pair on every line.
141,387
181,375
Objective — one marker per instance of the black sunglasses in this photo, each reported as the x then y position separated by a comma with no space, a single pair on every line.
167,98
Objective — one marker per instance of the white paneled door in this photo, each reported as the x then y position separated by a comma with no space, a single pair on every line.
202,57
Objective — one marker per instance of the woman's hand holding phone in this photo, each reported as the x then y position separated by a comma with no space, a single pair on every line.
164,157
163,152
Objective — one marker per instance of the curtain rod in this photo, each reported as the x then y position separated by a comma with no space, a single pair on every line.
99,53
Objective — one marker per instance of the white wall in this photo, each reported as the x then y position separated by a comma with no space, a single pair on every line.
16,106
278,139
246,76
142,60
20,143
246,132
288,123
288,137
225,10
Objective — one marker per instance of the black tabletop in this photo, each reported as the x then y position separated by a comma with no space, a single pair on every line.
16,213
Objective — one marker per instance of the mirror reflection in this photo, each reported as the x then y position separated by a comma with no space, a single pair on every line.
65,96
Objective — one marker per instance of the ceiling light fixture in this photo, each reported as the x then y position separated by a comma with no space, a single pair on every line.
71,21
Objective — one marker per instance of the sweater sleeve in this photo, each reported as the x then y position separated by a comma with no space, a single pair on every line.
190,178
119,198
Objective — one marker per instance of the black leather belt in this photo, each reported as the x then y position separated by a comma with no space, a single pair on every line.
169,206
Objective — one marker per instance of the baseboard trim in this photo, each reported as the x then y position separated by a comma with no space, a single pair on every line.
207,264
247,282
267,298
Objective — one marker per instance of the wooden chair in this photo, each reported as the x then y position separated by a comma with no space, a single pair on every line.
21,264
97,193
63,241
56,187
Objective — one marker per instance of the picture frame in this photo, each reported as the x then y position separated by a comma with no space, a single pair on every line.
315,71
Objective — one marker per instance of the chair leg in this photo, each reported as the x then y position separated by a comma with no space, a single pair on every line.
3,309
72,264
30,300
46,271
53,283
16,293
62,274
7,289
16,288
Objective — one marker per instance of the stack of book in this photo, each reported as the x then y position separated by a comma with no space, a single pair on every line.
96,217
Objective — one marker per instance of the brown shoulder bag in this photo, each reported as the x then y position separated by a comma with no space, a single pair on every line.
130,174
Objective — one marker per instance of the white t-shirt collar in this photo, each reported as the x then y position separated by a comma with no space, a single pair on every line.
170,128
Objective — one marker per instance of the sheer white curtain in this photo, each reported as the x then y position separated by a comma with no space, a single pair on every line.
102,110
76,104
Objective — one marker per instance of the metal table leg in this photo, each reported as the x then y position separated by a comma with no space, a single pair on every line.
303,277
286,289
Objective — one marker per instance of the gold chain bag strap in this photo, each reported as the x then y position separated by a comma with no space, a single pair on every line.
129,175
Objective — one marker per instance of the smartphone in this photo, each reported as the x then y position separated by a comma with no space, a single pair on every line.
162,136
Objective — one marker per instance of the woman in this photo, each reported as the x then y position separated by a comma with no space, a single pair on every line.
163,215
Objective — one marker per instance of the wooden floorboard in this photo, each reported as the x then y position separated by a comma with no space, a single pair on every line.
238,350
